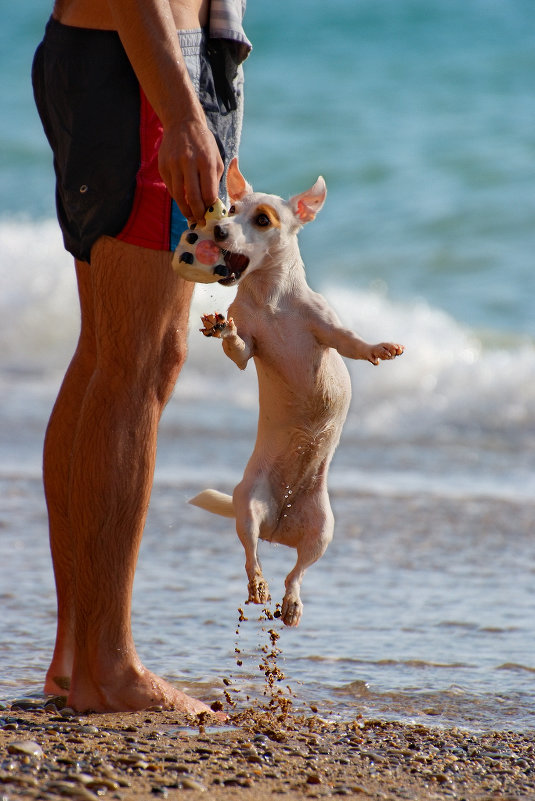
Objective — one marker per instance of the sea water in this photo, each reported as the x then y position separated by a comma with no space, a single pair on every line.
420,116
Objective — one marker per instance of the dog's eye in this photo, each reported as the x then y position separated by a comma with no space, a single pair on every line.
232,210
262,220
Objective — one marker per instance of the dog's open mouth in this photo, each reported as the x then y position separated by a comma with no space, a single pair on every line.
237,263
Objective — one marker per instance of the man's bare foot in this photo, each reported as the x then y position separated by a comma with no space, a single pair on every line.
139,690
58,675
57,685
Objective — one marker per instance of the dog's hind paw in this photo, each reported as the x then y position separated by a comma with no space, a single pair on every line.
258,591
291,610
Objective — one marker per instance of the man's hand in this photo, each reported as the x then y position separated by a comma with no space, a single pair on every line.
191,167
189,160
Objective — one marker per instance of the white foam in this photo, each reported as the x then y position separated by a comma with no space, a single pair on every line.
446,377
39,311
39,315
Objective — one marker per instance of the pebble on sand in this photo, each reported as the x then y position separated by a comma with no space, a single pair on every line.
25,748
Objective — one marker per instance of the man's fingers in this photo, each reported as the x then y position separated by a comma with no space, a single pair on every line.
209,178
182,203
202,186
173,178
193,193
191,167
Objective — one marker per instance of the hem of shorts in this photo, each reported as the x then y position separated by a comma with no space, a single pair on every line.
143,243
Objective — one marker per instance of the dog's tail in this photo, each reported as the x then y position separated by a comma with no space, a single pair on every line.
216,502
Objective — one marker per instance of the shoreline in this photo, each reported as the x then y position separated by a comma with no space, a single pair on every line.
268,752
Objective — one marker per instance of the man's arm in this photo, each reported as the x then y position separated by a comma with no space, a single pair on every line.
189,159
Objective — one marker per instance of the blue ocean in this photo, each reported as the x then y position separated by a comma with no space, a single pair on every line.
420,115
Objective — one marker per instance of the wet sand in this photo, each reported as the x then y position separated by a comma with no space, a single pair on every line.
260,753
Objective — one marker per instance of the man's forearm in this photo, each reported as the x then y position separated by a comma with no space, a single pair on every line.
188,159
148,33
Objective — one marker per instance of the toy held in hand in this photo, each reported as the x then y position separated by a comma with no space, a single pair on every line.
197,257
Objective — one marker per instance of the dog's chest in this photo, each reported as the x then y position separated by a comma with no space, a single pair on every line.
295,371
284,346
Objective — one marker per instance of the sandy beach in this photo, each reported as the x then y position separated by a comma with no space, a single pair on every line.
50,753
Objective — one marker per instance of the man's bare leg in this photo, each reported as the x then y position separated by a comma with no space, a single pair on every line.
56,471
140,315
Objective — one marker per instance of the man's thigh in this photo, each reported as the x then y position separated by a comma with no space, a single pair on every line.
139,300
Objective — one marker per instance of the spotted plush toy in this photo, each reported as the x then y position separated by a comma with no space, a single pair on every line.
197,257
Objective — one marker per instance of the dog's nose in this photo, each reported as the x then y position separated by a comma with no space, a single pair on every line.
220,234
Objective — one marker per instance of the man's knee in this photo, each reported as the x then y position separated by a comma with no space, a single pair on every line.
147,378
149,373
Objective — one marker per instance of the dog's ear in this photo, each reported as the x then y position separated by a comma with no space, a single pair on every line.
306,205
237,186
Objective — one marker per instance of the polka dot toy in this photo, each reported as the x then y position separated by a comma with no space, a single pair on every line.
197,257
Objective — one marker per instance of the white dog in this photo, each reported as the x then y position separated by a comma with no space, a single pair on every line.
297,342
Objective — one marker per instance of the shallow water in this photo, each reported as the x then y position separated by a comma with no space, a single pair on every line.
420,610
420,116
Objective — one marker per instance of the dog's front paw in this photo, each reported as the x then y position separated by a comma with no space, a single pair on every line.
384,351
258,591
214,325
291,610
230,329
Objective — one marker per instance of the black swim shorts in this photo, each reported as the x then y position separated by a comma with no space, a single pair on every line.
105,135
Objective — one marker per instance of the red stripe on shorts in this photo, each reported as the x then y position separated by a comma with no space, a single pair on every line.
150,219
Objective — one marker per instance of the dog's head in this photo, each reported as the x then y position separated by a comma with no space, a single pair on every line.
260,227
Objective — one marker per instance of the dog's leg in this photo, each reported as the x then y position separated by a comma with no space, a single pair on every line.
328,330
258,590
236,348
250,513
310,548
292,606
354,348
350,345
